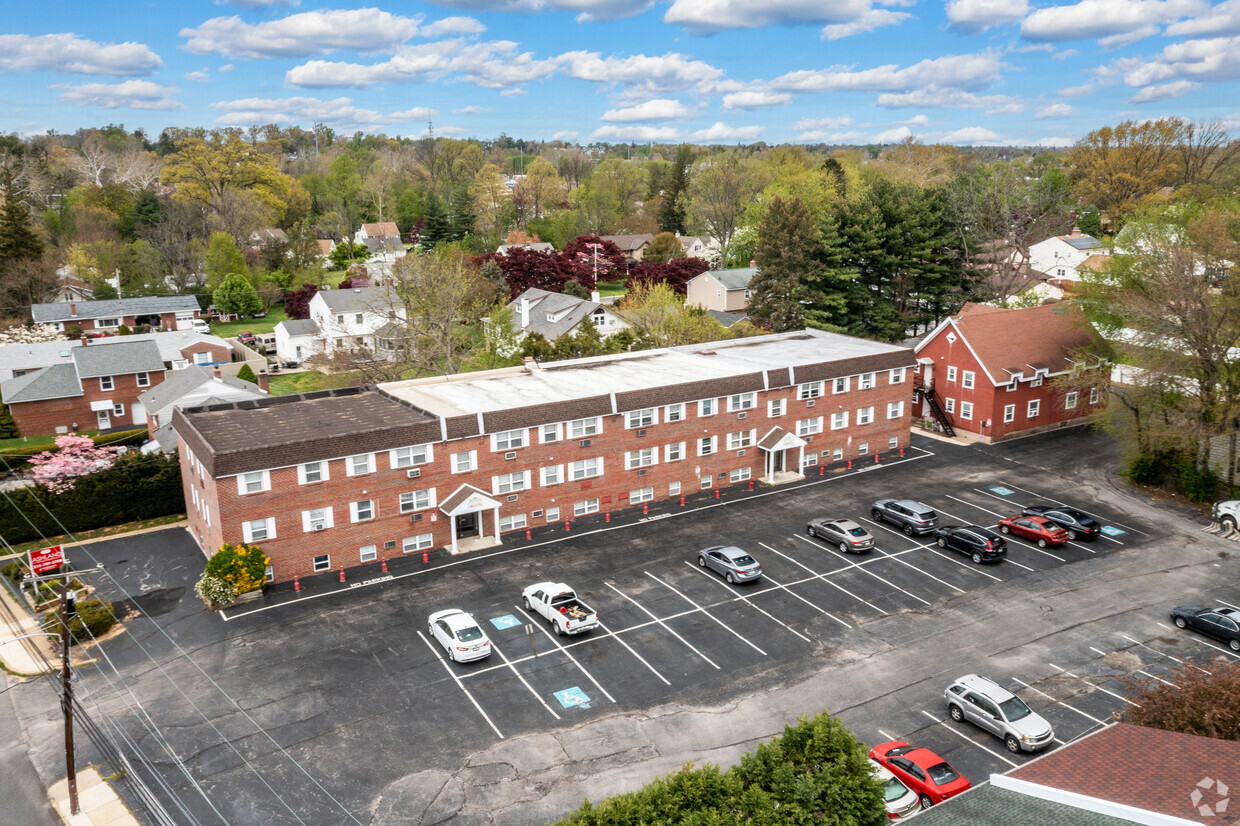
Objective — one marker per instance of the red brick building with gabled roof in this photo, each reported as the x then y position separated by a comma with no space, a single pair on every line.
990,369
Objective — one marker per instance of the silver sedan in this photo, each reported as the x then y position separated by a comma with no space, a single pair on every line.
845,534
733,563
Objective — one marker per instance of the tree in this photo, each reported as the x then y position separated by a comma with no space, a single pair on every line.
788,255
18,239
675,196
501,347
592,259
246,373
242,566
213,172
74,457
223,259
437,226
675,273
663,248
297,302
1189,701
236,294
537,191
659,318
722,186
1113,168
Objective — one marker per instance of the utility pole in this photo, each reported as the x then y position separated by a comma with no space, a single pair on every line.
68,607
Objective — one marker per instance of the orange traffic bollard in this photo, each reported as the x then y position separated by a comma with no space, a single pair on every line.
901,451
607,516
426,556
751,484
682,500
850,463
645,508
716,493
567,526
528,535
876,457
342,573
296,585
385,564
822,469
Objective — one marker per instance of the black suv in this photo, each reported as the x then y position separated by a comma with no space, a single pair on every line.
912,517
1078,524
979,543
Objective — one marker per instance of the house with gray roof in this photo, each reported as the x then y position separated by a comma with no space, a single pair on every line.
340,320
556,314
161,312
633,246
296,340
1062,256
195,386
723,290
536,246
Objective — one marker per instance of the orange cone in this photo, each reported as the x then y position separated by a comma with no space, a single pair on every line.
716,493
426,556
567,526
527,534
385,564
296,585
607,516
645,508
901,451
682,500
876,457
751,484
342,573
850,463
822,469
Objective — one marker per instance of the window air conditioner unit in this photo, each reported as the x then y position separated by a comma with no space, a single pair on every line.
585,442
417,517
809,439
742,415
512,454
318,526
641,473
641,433
740,453
413,474
536,514
391,543
512,497
809,403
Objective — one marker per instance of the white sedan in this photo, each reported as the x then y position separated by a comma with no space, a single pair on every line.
459,634
898,798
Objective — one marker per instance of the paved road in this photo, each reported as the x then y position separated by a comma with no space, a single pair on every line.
23,797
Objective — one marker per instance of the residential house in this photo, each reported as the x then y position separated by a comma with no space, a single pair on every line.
723,290
1061,256
70,288
326,245
347,319
384,229
632,246
556,314
297,340
536,246
195,386
726,320
701,246
339,478
990,371
268,236
168,312
176,349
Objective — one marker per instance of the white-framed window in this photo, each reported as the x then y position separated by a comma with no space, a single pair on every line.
269,575
362,510
838,454
357,318
951,373
1069,400
259,530
202,358
410,456
1095,395
107,322
707,445
673,489
636,497
644,457
1037,382
550,475
323,562
808,427
966,379
583,508
512,523
810,460
118,409
839,421
1034,408
585,428
360,464
674,452
739,475
144,379
707,482
465,462
317,519
896,376
966,411
895,410
640,418
776,407
1009,413
106,383
741,401
893,442
1011,388
741,440
707,407
865,415
256,481
865,381
949,405
809,390
585,469
416,500
340,319
510,482
508,440
674,412
840,385
421,542
863,448
550,433
312,472
368,553
553,514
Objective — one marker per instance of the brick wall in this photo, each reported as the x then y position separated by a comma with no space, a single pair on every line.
215,352
39,417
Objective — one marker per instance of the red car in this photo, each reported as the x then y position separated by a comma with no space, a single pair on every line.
930,777
1037,528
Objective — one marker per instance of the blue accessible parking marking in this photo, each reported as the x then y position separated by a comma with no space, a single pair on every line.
506,621
1109,531
571,697
1002,491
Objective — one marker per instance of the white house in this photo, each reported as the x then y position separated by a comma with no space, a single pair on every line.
1062,255
384,229
195,386
557,314
339,319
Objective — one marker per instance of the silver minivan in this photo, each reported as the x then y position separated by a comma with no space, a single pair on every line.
989,706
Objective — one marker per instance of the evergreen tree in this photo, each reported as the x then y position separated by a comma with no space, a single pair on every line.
236,294
8,428
437,227
246,373
147,211
788,255
18,239
672,211
463,217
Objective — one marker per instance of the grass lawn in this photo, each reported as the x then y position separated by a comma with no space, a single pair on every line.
32,441
611,288
288,384
228,329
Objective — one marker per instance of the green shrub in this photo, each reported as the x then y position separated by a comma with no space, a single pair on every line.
246,373
1199,485
242,566
13,571
94,617
1146,470
214,590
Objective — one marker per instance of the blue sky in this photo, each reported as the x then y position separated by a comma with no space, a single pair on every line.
726,71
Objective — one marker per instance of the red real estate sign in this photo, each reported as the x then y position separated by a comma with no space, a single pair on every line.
46,559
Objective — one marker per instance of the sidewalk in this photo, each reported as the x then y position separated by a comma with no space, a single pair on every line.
98,805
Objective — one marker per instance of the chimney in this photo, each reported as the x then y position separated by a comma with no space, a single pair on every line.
752,264
594,296
264,382
525,312
73,308
531,365
218,375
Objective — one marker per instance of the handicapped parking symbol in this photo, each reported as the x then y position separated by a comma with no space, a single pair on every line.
506,621
1110,531
573,697
1002,491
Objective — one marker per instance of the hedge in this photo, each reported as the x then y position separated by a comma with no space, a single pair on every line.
138,486
95,616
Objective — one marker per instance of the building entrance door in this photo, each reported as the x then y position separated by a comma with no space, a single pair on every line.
467,525
105,419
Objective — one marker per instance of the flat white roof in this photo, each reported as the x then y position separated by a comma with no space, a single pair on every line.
469,393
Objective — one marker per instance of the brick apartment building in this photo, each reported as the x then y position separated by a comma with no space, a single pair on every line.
339,478
991,370
164,312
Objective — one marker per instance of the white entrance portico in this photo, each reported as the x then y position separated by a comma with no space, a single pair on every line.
776,445
465,511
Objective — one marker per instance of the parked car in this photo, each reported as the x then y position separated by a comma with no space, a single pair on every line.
1220,623
844,533
1227,513
246,338
989,706
1036,528
911,516
734,564
974,541
900,800
198,325
1078,524
558,604
459,634
929,776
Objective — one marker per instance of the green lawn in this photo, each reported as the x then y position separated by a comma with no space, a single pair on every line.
611,288
32,441
228,329
288,384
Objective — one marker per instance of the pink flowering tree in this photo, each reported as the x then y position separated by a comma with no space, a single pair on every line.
77,456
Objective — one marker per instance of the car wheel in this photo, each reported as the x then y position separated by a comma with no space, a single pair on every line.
926,802
1004,529
977,558
877,515
729,578
1013,745
559,629
956,713
810,530
702,561
942,542
1180,622
1041,543
1235,645
1229,522
526,600
908,529
1071,536
843,547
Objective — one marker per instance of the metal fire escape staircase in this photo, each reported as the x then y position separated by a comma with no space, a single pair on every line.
936,410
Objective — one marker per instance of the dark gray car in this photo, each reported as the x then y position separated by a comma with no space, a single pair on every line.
911,516
733,563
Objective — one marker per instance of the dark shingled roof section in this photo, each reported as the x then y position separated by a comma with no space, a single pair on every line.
778,378
991,806
460,427
853,366
539,414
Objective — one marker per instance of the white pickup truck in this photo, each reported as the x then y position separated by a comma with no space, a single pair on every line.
558,604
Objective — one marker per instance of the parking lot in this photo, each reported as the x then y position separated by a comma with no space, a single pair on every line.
303,683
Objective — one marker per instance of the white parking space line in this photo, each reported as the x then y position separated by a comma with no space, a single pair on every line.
1030,545
823,577
1156,677
1095,687
663,624
639,657
1001,499
1168,656
521,677
1008,559
885,734
1060,702
1066,505
705,613
1228,604
1194,638
792,593
930,546
919,570
462,687
569,654
749,602
968,739
852,564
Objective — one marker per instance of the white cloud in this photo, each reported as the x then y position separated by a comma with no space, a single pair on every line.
821,136
75,55
492,65
1054,110
339,111
868,22
470,110
1054,142
822,124
722,132
1077,91
973,71
452,26
895,135
636,133
257,4
1221,19
971,135
227,67
1166,91
564,136
951,99
755,99
918,120
1116,21
643,76
651,110
974,16
198,77
587,10
302,35
708,16
1064,54
132,94
1209,60
512,93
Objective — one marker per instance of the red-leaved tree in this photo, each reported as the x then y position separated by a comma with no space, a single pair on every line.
77,456
297,302
675,273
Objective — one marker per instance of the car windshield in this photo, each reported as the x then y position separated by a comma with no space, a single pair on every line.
743,559
1015,709
857,531
942,774
894,790
469,634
